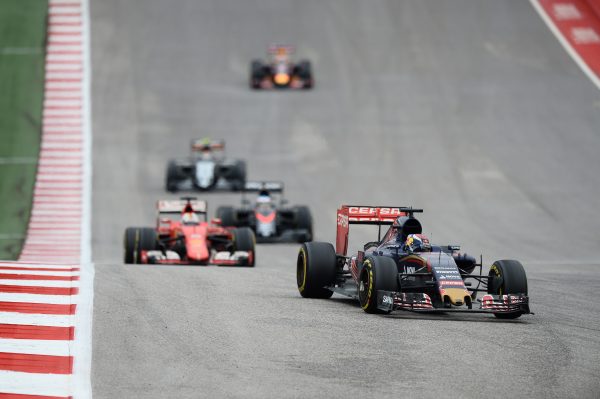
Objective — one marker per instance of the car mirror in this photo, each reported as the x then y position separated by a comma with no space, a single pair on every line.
165,220
216,221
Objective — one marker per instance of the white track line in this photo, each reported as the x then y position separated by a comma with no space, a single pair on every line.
82,348
565,43
37,320
36,347
42,273
33,265
41,384
35,298
40,283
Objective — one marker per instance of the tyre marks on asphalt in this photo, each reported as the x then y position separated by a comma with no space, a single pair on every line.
576,24
39,293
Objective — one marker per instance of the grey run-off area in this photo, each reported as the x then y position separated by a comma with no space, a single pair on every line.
469,109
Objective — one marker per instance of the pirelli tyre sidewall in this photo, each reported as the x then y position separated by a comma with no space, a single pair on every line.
136,240
507,277
244,240
315,269
377,273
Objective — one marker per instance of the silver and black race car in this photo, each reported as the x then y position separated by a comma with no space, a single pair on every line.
280,72
206,169
270,218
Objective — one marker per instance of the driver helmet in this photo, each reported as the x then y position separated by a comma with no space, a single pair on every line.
263,198
417,243
190,218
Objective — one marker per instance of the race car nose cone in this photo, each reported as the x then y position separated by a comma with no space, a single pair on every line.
282,78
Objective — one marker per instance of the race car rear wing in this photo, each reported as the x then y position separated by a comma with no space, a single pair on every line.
279,48
271,186
362,214
208,145
177,206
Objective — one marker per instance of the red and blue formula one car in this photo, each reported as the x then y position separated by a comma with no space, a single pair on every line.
403,271
280,72
181,237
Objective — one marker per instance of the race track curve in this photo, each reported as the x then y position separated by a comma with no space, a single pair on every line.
469,109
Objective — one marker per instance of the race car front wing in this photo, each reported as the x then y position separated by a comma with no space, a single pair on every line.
223,258
388,301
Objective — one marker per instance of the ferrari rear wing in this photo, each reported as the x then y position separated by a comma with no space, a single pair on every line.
177,206
271,186
365,214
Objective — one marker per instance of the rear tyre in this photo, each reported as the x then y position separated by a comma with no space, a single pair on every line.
377,273
256,74
244,240
507,277
304,221
239,175
305,73
315,269
227,216
136,240
173,177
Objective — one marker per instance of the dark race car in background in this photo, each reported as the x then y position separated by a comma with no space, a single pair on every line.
268,215
181,237
280,72
385,276
206,169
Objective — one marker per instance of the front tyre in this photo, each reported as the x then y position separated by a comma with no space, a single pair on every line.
378,273
244,240
507,277
136,240
315,269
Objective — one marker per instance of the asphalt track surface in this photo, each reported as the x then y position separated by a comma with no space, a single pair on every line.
469,109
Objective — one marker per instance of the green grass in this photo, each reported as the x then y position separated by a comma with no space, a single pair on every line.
22,43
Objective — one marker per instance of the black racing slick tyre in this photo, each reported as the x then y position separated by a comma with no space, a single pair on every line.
256,74
238,178
304,222
136,240
377,273
227,216
305,73
507,277
315,269
244,240
172,177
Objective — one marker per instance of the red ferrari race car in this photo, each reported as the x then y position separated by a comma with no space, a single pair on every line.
180,237
403,271
279,72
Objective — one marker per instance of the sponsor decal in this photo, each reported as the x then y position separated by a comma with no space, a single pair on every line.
388,300
454,283
342,220
368,211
